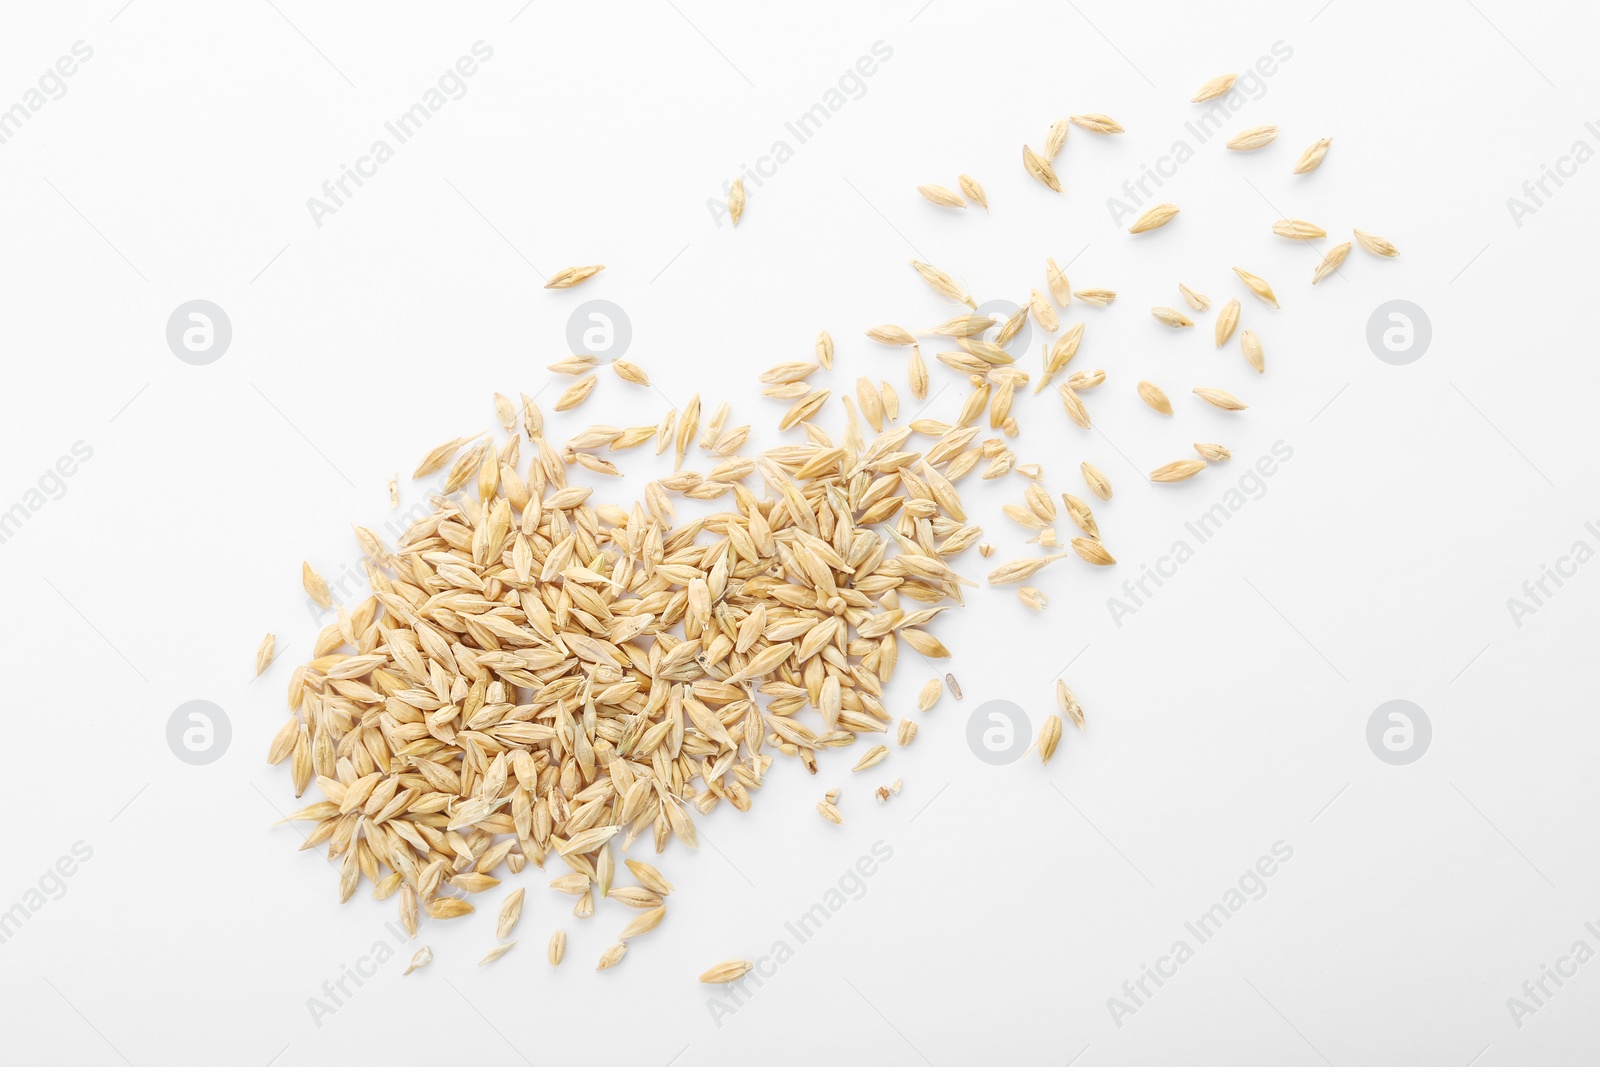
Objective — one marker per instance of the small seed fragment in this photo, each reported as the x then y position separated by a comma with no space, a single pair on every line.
828,811
1032,598
558,948
423,957
1198,301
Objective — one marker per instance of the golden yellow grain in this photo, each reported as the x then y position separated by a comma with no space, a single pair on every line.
1214,88
974,191
825,349
1154,218
1311,158
1040,168
1378,246
1096,480
1056,279
938,194
1214,453
1056,139
1331,262
1227,319
264,653
567,277
1254,354
726,971
1222,399
736,200
1090,550
1253,138
1049,738
1257,285
1096,123
1298,230
1098,297
1171,317
1177,470
1151,394
1198,301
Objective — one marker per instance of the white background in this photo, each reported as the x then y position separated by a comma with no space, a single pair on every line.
1228,713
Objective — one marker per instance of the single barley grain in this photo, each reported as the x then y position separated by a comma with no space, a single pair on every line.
1171,317
1258,286
1376,245
1152,394
567,277
264,653
1225,400
974,191
1154,218
1331,262
938,194
1227,319
1214,88
1311,158
1177,470
1253,138
736,200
